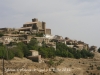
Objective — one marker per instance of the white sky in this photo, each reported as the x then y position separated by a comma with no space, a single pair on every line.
76,19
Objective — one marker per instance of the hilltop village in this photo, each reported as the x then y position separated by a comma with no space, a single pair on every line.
50,48
38,30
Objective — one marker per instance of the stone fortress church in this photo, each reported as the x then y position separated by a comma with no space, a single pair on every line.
35,27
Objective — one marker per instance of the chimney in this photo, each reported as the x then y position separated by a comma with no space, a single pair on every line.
35,20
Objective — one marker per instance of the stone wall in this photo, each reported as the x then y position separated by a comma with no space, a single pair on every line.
48,31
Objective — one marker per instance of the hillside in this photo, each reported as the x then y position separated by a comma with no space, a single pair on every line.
61,66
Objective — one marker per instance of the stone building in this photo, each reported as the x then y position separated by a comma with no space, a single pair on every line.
93,49
48,36
57,37
82,46
67,38
33,27
41,39
16,38
8,30
35,56
34,52
52,44
47,42
71,46
7,39
78,45
48,31
86,46
62,41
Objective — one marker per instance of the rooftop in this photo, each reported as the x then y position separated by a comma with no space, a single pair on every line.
33,51
30,23
25,28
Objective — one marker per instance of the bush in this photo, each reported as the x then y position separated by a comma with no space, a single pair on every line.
50,62
98,68
1,34
99,50
19,54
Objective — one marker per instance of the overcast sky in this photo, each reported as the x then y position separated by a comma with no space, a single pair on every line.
76,19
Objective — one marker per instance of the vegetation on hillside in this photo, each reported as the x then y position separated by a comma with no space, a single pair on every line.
4,53
1,34
99,50
64,51
22,50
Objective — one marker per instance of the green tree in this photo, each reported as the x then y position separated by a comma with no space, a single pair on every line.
51,52
99,50
43,52
24,49
84,53
98,68
33,44
47,52
70,55
43,44
19,53
10,55
78,54
1,51
6,53
50,62
1,34
58,52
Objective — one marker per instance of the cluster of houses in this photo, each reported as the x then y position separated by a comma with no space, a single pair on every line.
26,33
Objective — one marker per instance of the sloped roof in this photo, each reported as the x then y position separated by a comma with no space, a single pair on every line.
30,23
